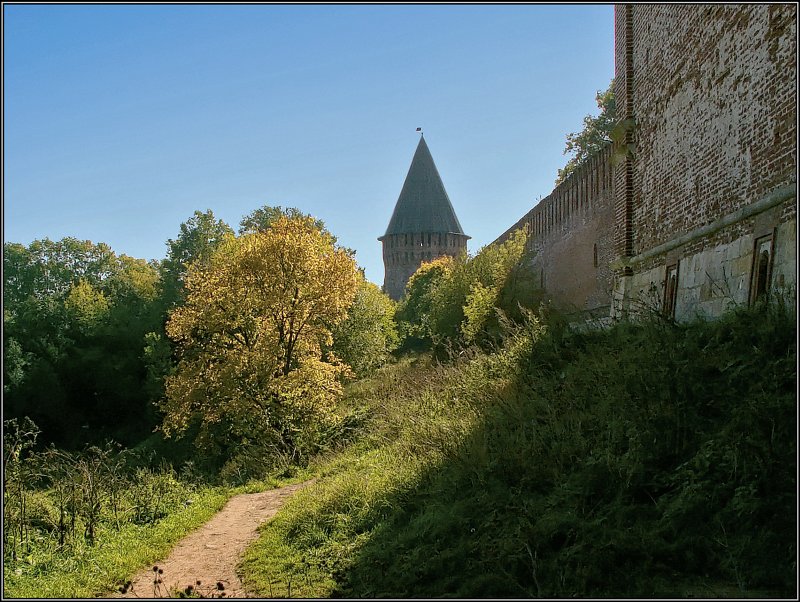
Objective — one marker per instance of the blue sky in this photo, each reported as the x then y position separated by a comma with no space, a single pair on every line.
122,120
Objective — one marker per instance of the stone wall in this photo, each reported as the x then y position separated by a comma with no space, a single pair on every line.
404,253
712,91
715,272
570,234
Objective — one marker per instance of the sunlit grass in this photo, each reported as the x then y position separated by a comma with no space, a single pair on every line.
417,419
311,539
95,571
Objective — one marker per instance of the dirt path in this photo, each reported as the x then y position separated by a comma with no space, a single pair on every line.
210,554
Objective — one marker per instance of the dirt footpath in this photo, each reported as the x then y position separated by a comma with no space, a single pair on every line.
211,553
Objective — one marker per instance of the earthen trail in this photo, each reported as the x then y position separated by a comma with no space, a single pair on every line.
210,554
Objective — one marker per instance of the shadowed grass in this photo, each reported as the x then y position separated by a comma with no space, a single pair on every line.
651,460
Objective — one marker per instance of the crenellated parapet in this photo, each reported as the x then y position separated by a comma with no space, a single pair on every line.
699,214
579,192
569,243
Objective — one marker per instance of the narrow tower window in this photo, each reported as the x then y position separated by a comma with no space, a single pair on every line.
671,291
762,267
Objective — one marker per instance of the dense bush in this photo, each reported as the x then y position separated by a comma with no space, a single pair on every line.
450,302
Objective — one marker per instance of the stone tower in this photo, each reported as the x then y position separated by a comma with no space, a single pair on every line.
423,225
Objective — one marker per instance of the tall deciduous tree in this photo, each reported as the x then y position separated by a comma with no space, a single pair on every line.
197,240
251,333
595,135
75,318
260,220
367,337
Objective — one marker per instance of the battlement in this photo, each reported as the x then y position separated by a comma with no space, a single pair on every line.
702,215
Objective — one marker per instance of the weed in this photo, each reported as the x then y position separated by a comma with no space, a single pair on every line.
83,530
196,589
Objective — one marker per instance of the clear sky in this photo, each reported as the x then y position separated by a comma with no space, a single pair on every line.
121,120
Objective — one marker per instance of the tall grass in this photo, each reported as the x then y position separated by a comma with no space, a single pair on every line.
78,523
648,459
86,571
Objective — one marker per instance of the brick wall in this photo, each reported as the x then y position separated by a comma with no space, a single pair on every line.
624,93
571,234
404,253
712,92
714,100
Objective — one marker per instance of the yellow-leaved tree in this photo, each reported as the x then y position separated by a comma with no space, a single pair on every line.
251,368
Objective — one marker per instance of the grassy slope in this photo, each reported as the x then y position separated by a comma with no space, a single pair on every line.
639,461
307,546
97,570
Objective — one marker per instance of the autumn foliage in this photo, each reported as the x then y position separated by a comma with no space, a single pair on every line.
251,337
460,301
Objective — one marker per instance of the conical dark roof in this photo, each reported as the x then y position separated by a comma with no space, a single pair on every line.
423,205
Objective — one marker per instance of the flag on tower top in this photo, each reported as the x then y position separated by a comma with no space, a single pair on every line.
419,129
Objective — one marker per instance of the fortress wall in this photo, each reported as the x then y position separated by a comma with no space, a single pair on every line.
714,101
714,272
710,189
570,234
713,96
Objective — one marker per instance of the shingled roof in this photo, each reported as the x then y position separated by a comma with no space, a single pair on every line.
423,205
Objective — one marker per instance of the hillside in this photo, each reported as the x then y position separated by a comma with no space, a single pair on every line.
648,459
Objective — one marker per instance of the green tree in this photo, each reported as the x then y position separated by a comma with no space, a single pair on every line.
199,236
49,268
250,339
415,309
15,364
87,306
260,220
465,303
458,301
595,135
366,339
75,317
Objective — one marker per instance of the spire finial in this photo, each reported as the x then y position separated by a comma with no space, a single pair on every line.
421,133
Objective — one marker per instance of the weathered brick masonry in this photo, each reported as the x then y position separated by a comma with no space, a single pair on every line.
714,100
570,234
712,92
